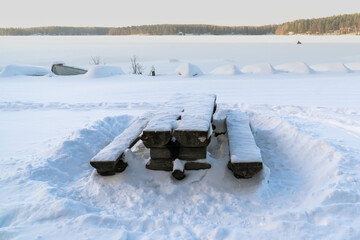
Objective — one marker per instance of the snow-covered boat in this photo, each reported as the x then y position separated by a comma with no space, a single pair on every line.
61,69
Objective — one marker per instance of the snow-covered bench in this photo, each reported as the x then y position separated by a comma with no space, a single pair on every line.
111,159
245,157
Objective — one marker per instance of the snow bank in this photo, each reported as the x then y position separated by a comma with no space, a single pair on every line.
70,159
101,71
353,66
173,60
331,67
188,70
262,68
15,70
226,70
299,67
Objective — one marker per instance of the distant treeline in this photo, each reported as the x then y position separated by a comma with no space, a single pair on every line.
55,31
166,29
341,24
170,29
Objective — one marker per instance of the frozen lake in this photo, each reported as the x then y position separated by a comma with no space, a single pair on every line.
239,50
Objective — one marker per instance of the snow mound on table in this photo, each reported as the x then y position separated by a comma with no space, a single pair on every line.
299,67
331,67
104,71
226,70
353,66
188,70
262,68
25,70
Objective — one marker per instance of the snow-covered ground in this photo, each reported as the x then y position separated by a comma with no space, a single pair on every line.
304,106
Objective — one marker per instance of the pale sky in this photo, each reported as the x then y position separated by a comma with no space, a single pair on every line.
26,13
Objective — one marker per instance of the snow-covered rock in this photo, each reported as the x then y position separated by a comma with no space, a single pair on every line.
298,67
101,71
188,70
16,70
331,67
263,68
353,66
226,70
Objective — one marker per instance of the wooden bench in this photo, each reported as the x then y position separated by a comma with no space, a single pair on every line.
245,157
111,158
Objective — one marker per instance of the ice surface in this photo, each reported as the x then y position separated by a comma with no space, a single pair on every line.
242,145
102,71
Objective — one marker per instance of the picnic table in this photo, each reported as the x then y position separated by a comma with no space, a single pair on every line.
177,135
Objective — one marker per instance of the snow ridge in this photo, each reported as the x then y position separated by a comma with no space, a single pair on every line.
70,159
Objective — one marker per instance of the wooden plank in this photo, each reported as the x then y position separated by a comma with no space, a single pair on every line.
159,130
166,152
192,138
197,165
160,165
246,169
178,170
192,153
194,129
245,157
111,158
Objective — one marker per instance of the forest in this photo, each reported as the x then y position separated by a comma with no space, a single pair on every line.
340,24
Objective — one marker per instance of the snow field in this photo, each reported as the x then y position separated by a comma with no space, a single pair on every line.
308,187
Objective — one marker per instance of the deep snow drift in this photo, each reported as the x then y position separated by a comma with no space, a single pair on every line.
103,71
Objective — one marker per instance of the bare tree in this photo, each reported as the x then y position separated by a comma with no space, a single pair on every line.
136,67
95,60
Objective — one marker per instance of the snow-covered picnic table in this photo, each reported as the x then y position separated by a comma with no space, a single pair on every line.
178,134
